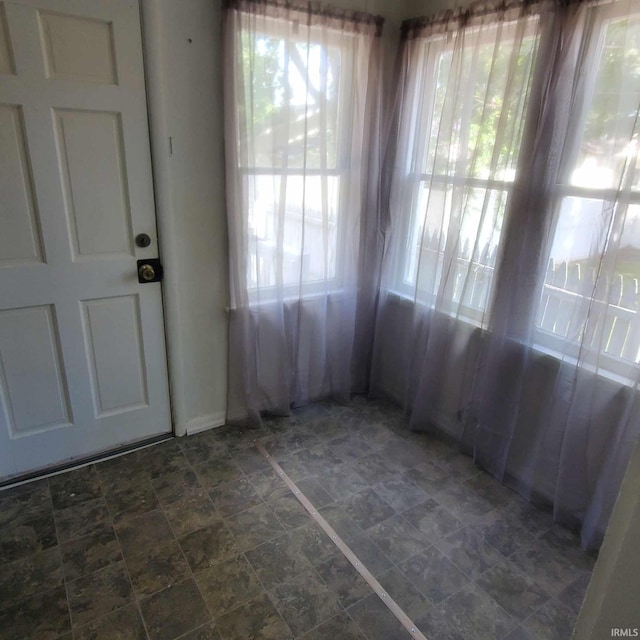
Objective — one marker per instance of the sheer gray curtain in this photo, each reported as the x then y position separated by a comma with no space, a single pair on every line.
509,307
301,107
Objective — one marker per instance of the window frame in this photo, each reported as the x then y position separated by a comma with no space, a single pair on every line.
288,32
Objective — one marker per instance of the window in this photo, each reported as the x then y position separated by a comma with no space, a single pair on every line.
462,129
600,166
298,127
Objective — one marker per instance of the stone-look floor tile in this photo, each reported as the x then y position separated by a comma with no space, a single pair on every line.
42,617
90,553
234,497
254,526
74,487
400,493
328,429
83,520
463,503
406,595
343,580
99,593
434,575
430,477
134,500
266,482
376,621
458,466
532,519
218,471
250,460
341,481
256,619
473,615
349,448
236,438
123,624
143,532
502,529
341,626
21,539
314,493
469,552
28,576
432,520
176,486
492,491
317,459
202,447
174,611
372,468
293,468
205,547
24,506
547,566
397,453
367,508
520,633
369,554
514,591
553,621
208,631
24,488
304,602
119,473
573,595
341,522
568,544
398,538
288,509
194,512
314,543
163,459
157,569
436,624
229,584
278,560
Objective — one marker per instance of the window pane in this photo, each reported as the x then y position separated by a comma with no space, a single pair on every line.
456,251
292,91
573,289
292,229
480,97
608,154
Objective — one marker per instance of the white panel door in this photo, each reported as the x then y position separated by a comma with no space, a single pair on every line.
82,354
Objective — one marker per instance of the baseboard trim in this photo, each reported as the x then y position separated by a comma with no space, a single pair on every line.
202,423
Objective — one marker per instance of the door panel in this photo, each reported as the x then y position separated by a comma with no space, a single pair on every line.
6,57
113,334
89,143
29,343
20,238
78,48
82,355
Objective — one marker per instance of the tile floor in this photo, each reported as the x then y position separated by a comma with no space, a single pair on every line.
197,538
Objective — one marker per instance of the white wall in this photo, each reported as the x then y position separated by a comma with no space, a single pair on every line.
183,68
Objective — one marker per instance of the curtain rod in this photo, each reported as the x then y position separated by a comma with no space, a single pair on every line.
309,8
478,9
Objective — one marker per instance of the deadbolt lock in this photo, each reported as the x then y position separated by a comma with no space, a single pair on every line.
149,271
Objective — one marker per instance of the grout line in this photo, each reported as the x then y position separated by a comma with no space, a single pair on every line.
391,604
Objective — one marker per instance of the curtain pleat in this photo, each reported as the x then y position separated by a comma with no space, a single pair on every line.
509,299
